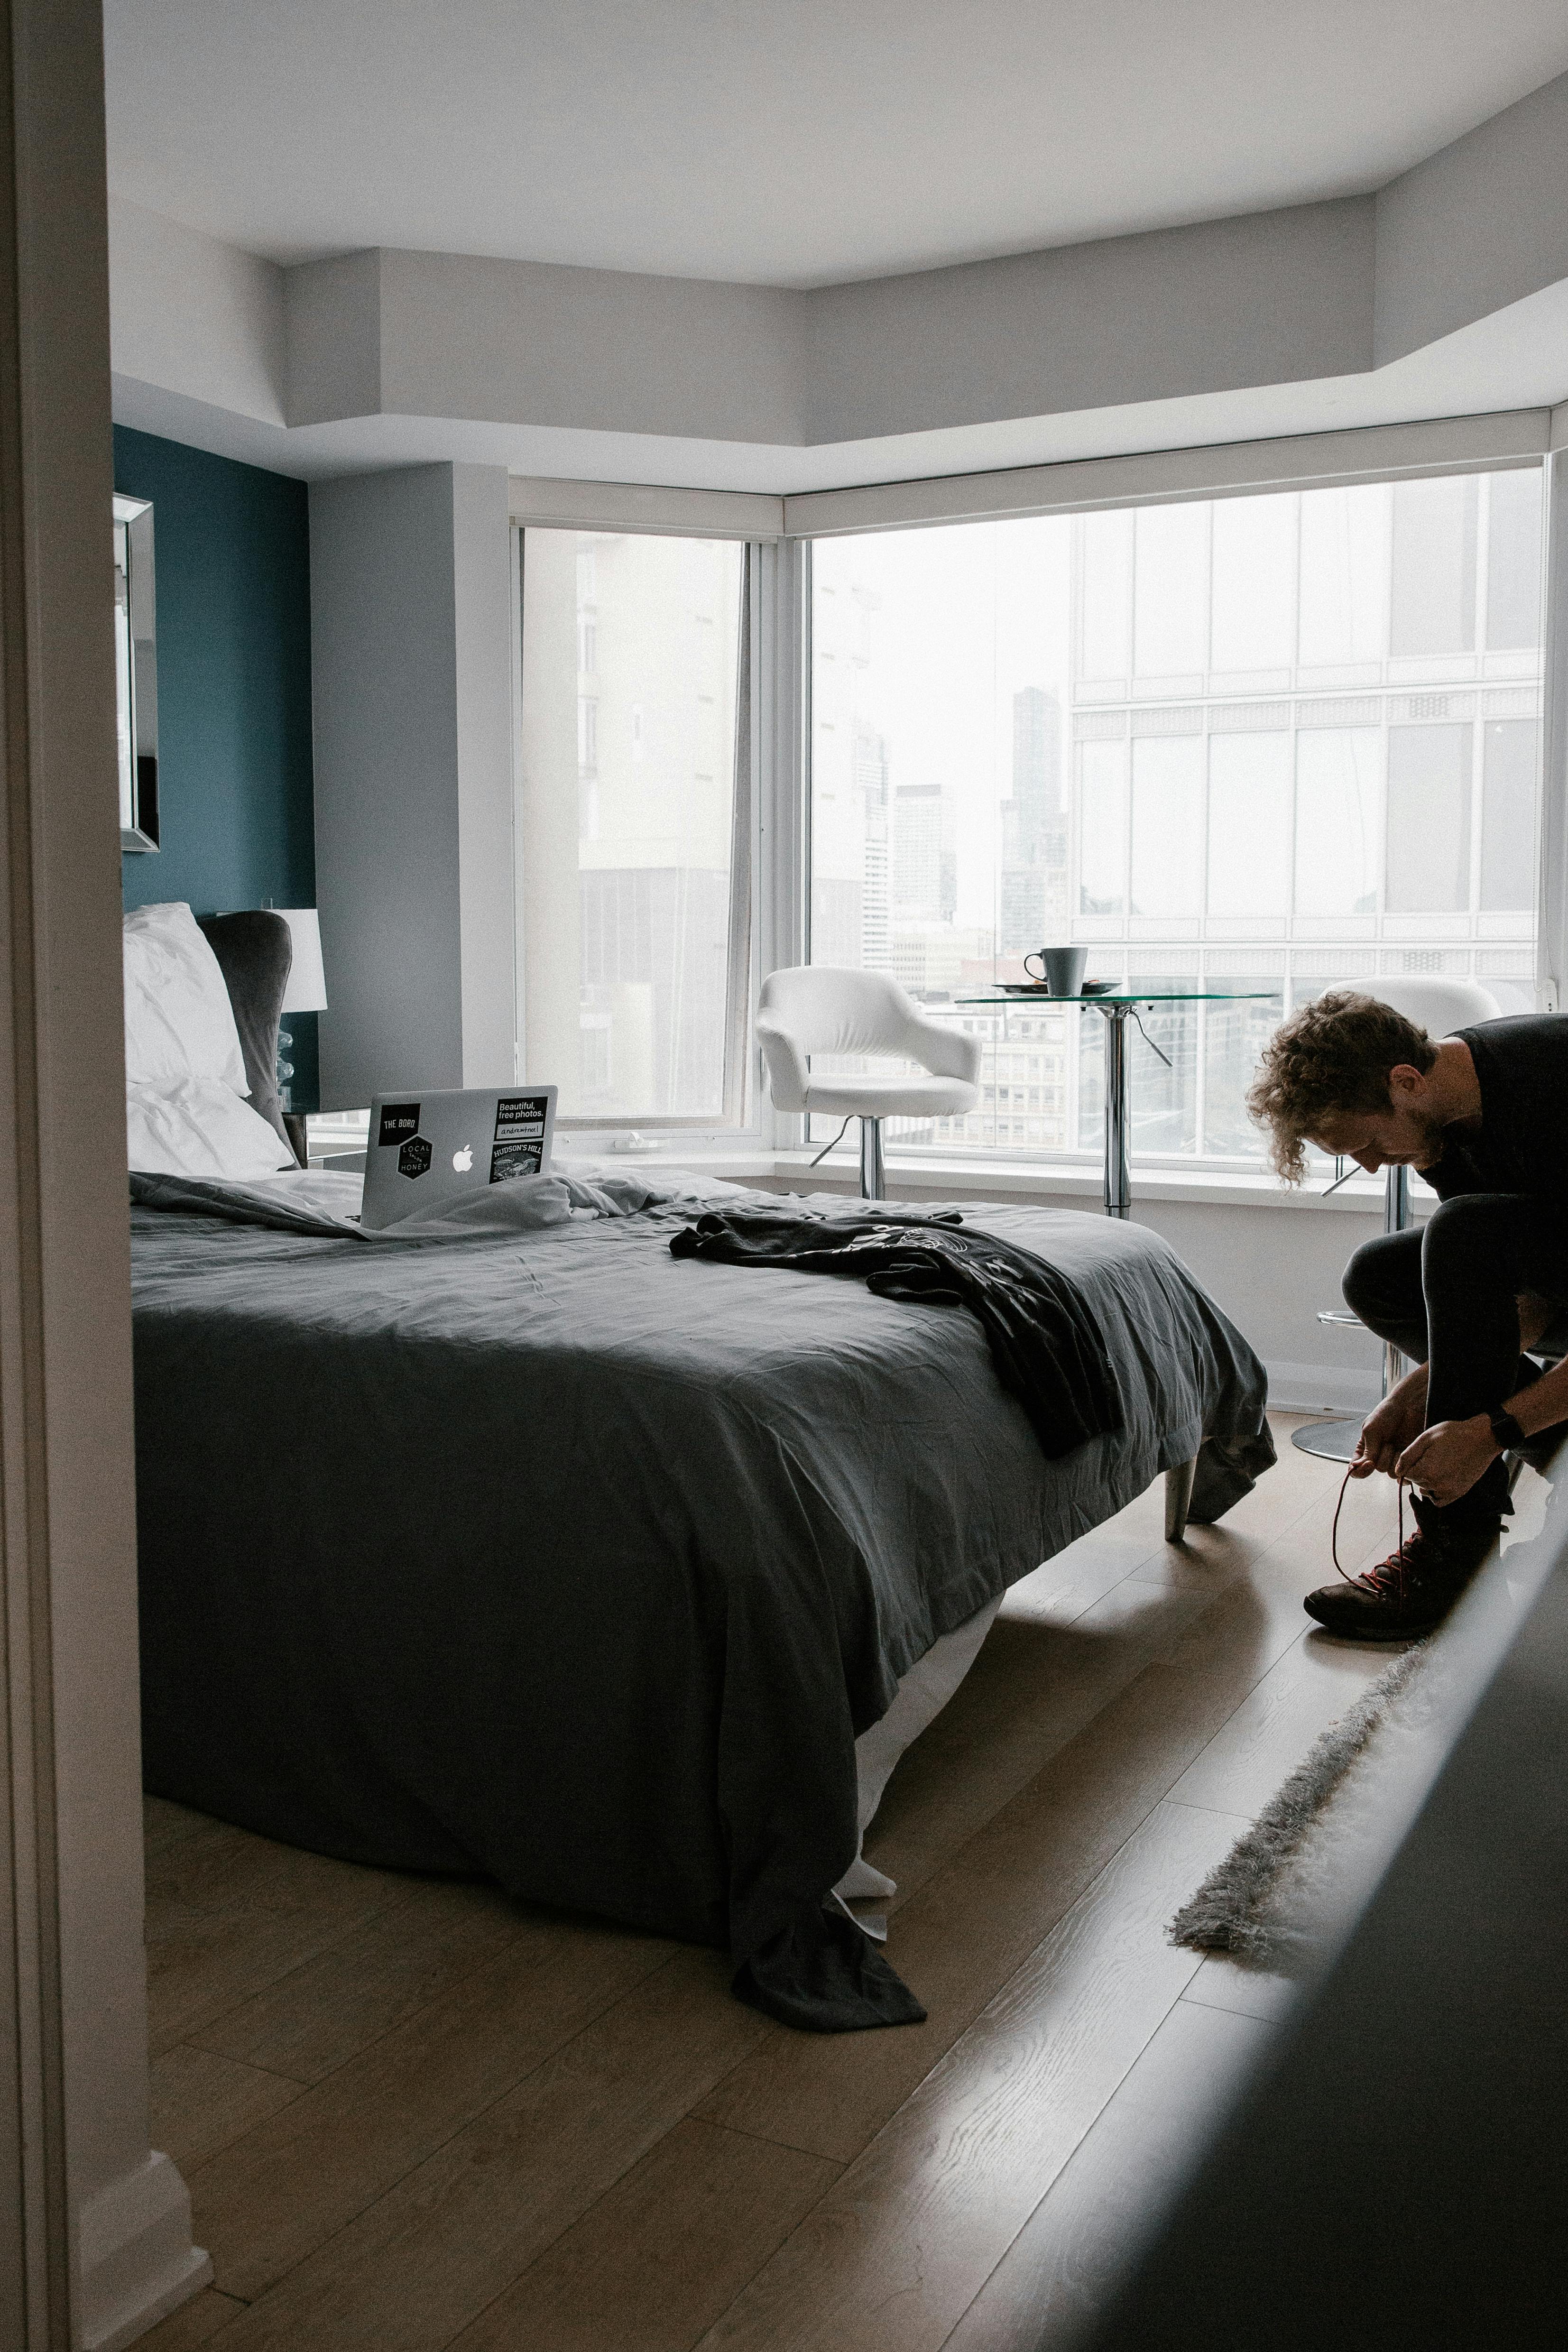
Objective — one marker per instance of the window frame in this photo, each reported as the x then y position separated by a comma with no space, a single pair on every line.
781,534
1550,850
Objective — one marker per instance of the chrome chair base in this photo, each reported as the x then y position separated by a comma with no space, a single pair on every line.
1330,1441
873,1175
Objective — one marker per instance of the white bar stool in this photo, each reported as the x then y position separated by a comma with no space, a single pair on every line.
1438,1006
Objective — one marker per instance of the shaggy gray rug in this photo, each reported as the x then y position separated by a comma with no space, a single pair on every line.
1288,1890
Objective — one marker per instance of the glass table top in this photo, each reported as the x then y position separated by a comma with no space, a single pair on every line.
1129,996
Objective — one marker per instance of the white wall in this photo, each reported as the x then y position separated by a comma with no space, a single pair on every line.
1273,298
466,337
1480,225
196,316
485,658
333,313
411,684
1271,1270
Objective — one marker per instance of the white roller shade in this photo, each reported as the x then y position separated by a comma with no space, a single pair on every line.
645,506
1234,469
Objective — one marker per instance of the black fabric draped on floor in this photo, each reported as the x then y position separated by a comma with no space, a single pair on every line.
823,1972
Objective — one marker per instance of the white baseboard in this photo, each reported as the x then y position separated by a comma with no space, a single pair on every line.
1321,1388
137,2260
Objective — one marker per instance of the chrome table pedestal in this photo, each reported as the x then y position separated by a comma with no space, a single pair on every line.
1116,1009
1117,1177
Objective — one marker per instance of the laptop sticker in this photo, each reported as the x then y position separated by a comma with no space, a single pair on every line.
519,1118
414,1157
398,1122
509,1161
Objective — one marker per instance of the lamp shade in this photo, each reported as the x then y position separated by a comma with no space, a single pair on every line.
307,989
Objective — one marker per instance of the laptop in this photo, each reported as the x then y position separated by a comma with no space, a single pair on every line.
425,1150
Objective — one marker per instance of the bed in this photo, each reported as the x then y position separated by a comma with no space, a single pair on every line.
525,1547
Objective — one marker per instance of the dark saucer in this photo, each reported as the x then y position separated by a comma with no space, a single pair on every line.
1039,988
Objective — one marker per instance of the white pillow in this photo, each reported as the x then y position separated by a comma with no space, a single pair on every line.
200,1128
179,1023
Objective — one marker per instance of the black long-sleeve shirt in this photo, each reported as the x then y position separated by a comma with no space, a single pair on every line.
1521,1142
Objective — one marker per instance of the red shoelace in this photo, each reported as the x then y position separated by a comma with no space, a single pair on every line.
1377,1579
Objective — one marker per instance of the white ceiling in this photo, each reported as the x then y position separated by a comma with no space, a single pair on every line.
784,141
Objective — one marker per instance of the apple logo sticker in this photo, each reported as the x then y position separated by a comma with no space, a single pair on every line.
463,1161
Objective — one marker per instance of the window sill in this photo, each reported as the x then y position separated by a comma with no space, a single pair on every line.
965,1179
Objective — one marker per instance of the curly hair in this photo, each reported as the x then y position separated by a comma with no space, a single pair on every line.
1334,1055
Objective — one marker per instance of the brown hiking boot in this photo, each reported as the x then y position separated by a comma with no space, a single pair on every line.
1409,1592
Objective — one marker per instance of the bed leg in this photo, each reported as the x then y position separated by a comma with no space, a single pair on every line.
1178,1499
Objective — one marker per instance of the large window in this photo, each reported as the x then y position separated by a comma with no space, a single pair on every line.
1268,744
633,885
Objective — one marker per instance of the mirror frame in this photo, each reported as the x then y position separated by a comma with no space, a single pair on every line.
136,669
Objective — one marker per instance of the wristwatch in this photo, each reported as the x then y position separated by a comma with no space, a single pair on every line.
1506,1430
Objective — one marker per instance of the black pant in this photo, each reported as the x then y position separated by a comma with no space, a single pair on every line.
1447,1297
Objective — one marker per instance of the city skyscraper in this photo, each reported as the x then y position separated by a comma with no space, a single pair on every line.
916,851
868,763
1033,881
1038,758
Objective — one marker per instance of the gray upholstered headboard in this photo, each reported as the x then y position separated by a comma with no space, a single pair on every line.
255,950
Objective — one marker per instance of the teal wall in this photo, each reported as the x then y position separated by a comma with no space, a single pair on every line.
237,816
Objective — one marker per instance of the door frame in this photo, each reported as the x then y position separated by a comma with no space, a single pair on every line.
94,2227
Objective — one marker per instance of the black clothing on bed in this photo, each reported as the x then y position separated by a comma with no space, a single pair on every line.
1521,1142
1046,1345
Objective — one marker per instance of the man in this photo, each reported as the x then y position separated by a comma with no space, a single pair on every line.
1484,1117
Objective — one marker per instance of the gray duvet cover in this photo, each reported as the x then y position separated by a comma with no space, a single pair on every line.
543,1554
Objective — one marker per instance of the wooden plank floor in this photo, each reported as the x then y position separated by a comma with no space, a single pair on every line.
416,2115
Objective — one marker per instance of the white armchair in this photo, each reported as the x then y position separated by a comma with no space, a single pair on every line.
819,1009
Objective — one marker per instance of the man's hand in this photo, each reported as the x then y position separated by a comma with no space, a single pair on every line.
1389,1429
1445,1460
